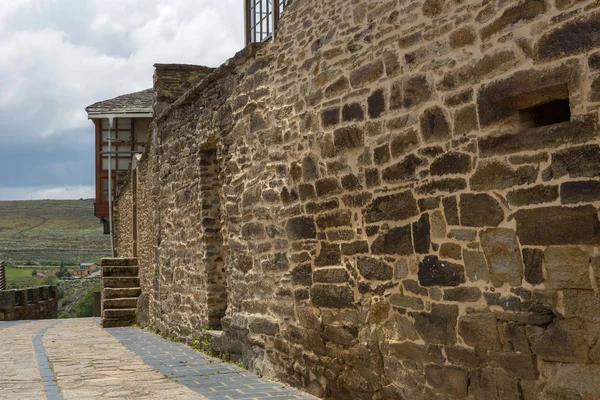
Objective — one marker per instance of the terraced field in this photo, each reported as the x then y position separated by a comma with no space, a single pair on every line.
46,232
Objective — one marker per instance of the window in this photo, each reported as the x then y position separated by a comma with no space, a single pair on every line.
262,18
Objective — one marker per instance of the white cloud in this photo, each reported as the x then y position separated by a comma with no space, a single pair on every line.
47,193
59,56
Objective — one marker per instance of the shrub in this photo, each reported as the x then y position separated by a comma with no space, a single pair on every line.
85,306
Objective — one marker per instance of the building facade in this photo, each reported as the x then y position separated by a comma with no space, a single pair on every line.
121,129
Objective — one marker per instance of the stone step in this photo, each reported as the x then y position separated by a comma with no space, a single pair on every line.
120,293
116,323
121,313
119,262
126,282
111,304
120,272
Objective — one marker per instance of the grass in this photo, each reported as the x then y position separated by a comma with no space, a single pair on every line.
21,277
44,233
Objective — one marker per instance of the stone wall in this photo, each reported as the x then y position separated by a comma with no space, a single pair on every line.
33,303
408,205
171,81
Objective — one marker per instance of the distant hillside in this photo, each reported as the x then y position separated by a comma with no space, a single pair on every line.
46,232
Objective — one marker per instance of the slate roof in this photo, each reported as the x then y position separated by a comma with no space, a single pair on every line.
138,102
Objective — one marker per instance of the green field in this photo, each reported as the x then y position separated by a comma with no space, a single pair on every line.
47,232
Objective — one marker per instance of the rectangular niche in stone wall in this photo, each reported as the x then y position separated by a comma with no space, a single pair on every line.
212,237
529,99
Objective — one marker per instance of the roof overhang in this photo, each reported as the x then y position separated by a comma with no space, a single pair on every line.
121,115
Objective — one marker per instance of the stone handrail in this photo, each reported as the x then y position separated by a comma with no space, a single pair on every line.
34,303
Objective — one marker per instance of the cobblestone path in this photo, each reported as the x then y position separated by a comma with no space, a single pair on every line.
20,376
214,379
77,359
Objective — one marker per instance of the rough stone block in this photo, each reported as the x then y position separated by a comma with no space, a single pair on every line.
334,219
580,192
503,255
462,294
563,341
381,154
366,74
404,170
479,210
449,380
348,137
400,328
576,380
410,92
434,125
476,265
399,300
518,365
301,228
433,272
493,383
576,36
265,325
475,70
395,241
523,11
533,195
310,168
463,36
465,121
551,136
330,275
451,163
550,226
378,312
330,117
583,304
356,247
577,162
451,210
329,255
567,267
395,207
404,142
533,259
253,230
497,175
328,186
302,275
451,250
353,112
479,330
376,104
330,296
448,185
438,326
409,351
421,235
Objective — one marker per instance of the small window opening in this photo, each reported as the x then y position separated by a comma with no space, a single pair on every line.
553,112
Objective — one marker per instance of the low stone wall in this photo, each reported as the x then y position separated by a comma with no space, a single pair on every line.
408,202
33,303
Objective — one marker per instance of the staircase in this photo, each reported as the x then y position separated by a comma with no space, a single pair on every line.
120,291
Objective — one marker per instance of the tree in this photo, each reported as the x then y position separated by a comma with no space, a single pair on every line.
85,306
50,280
63,272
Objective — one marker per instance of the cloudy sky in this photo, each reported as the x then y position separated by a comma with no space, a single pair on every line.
59,56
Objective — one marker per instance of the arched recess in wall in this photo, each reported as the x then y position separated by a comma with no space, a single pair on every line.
212,236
